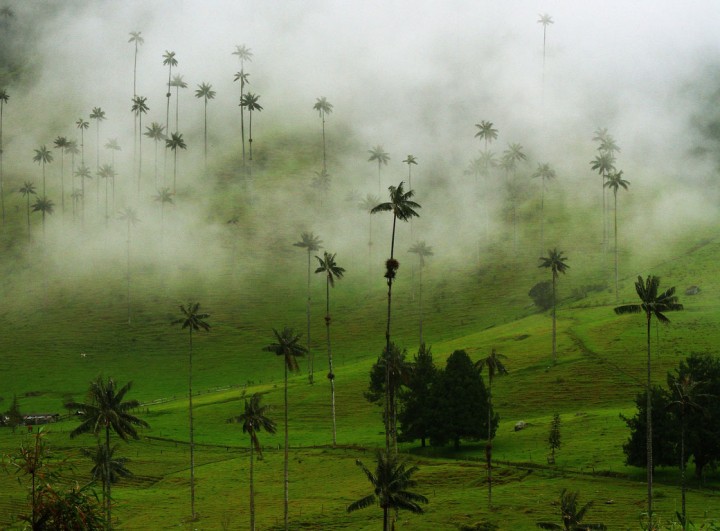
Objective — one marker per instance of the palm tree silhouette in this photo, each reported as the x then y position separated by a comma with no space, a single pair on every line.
175,142
378,154
288,346
164,196
254,419
366,205
194,321
651,304
108,411
98,115
43,156
61,143
321,182
139,107
169,61
323,107
615,181
113,146
107,172
206,92
555,261
28,189
604,164
410,160
130,216
4,97
250,102
332,272
157,133
83,173
107,468
82,125
545,20
138,40
422,251
244,54
545,173
571,514
486,132
390,483
494,366
311,243
178,83
403,208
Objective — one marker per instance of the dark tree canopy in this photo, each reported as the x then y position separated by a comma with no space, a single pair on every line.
415,399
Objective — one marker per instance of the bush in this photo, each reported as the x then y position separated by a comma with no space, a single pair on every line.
541,294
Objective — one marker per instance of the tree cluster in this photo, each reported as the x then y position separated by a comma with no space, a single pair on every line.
697,414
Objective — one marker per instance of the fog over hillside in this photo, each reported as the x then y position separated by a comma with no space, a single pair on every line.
412,76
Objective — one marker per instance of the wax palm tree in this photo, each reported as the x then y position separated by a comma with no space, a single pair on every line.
572,515
28,189
652,303
545,20
43,156
288,346
254,419
422,251
206,92
107,468
323,107
311,243
403,208
164,196
410,160
514,153
332,272
321,182
72,148
107,172
139,107
615,181
250,102
486,132
175,142
366,205
555,262
178,83
194,321
157,133
113,146
604,164
76,196
82,125
169,61
98,115
107,411
4,98
390,483
378,154
130,217
545,173
495,366
83,173
137,39
61,143
244,54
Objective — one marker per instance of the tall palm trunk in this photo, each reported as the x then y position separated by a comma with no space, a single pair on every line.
323,137
331,374
682,465
43,171
420,303
311,375
192,432
2,193
28,217
488,449
250,139
385,518
97,163
370,244
167,121
205,135
128,273
648,434
554,326
108,479
140,154
287,482
379,184
388,420
252,486
542,216
616,247
62,178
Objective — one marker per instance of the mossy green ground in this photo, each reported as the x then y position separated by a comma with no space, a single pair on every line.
468,305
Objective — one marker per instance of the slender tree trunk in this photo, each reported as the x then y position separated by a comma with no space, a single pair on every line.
379,184
385,519
107,216
252,487
97,164
108,479
250,139
43,169
554,327
420,303
370,244
140,156
388,420
128,273
616,249
311,374
648,435
192,434
205,135
287,482
62,179
28,217
2,193
542,216
167,123
331,374
242,120
604,217
177,109
489,442
682,466
156,164
323,136
174,170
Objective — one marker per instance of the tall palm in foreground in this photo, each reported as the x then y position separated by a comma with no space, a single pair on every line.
366,205
43,156
44,206
175,142
130,217
332,271
323,107
139,107
486,132
254,419
545,173
390,483
311,244
652,303
287,344
4,98
378,154
28,189
137,39
250,102
555,262
495,367
61,143
194,321
156,132
98,115
107,411
615,181
422,251
244,54
403,208
206,92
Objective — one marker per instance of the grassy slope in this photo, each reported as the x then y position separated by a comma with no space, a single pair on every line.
466,306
